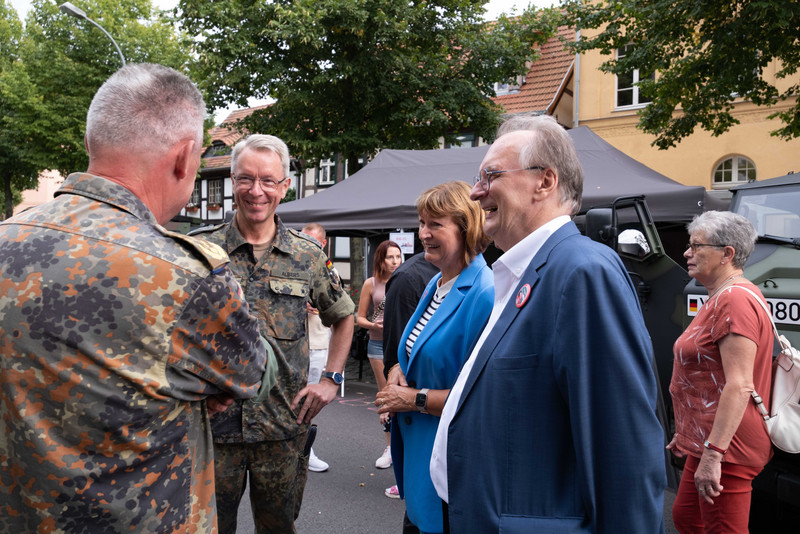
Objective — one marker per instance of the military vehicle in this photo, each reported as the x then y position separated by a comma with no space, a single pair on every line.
670,299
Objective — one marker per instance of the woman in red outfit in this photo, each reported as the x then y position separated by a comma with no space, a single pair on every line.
723,355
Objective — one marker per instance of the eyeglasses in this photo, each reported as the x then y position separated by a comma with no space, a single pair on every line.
695,246
246,182
484,178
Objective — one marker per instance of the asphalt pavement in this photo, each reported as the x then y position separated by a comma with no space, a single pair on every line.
349,498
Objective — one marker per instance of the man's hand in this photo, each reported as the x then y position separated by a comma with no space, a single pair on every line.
317,396
218,403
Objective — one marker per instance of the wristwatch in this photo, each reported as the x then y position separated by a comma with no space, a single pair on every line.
421,400
711,446
336,377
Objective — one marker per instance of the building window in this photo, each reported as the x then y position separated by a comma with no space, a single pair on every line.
733,170
215,192
218,148
628,84
505,88
466,140
341,248
502,88
326,173
361,163
194,201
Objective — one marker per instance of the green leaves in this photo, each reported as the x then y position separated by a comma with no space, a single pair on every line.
354,76
706,54
50,71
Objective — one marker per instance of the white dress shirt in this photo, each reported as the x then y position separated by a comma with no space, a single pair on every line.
507,271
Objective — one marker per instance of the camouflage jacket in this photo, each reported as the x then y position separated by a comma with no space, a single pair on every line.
113,331
277,287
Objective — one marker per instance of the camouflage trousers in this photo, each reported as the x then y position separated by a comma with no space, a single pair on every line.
277,477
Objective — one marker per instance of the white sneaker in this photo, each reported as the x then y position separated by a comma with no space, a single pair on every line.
385,461
315,464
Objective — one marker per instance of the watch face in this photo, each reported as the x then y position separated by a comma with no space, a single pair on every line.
420,400
336,377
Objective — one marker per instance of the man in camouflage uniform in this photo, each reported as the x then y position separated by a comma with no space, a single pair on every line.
279,270
114,331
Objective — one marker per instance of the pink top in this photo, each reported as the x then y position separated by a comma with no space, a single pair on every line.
378,303
698,377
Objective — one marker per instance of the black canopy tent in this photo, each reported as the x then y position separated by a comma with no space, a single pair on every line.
381,197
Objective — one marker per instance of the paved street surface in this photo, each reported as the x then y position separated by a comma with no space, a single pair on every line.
349,498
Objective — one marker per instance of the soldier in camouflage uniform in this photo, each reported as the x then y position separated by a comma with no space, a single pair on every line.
114,331
279,270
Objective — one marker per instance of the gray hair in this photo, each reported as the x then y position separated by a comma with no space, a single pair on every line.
262,142
728,229
144,107
315,228
551,147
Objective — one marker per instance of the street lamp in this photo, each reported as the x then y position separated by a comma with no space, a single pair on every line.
78,13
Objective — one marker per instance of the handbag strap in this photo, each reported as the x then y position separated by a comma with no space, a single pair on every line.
756,397
766,309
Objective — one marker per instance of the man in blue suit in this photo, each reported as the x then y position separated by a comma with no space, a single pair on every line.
551,426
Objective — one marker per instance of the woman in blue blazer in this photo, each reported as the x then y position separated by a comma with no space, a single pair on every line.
436,341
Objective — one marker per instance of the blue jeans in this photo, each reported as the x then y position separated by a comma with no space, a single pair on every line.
375,349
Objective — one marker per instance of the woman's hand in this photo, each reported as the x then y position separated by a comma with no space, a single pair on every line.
396,377
707,476
673,446
393,399
377,327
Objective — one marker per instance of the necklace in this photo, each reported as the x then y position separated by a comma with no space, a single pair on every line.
725,283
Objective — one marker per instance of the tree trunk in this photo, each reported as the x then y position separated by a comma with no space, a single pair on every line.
357,244
356,266
9,200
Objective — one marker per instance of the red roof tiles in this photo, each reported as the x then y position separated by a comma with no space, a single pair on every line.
545,79
228,134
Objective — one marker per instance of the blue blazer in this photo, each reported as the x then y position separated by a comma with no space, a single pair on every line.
556,428
438,354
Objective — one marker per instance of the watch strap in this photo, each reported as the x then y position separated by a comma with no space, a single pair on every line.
333,377
708,445
423,408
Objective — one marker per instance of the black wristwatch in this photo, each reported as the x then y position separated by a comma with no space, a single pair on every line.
421,400
336,377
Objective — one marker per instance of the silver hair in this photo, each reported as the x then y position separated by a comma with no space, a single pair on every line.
262,142
729,229
551,147
144,107
314,227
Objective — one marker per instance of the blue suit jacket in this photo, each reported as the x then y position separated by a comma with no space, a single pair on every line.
556,428
438,354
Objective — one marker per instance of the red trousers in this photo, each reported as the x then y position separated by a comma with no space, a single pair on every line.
731,509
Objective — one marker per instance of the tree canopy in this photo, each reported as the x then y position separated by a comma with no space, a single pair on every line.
354,76
50,71
69,59
18,106
706,53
